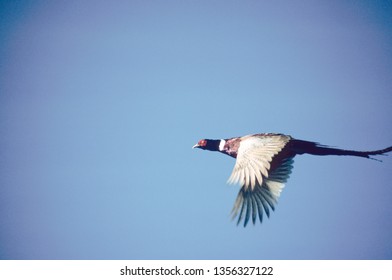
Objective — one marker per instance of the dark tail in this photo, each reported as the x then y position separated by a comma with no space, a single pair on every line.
313,148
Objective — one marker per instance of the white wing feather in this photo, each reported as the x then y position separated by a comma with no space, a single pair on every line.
263,197
254,157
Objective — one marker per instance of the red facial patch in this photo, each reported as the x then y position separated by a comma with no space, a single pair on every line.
202,143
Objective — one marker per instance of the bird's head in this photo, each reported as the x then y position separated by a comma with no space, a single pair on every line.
208,144
202,144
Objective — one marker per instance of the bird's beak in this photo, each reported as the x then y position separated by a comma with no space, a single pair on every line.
195,146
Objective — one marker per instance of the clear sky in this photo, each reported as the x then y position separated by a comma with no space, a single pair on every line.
101,102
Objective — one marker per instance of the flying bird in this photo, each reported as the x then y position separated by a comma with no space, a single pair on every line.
263,165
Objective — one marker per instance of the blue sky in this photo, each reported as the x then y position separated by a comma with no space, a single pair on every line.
101,102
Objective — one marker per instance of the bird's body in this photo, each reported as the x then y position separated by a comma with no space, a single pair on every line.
263,165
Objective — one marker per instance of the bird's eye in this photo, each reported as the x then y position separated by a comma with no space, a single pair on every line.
202,142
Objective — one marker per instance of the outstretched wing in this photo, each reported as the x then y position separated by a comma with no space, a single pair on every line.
252,202
254,158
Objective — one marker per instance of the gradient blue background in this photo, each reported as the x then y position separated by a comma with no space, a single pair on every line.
101,102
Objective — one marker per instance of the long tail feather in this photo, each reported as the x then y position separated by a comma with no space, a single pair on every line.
313,148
